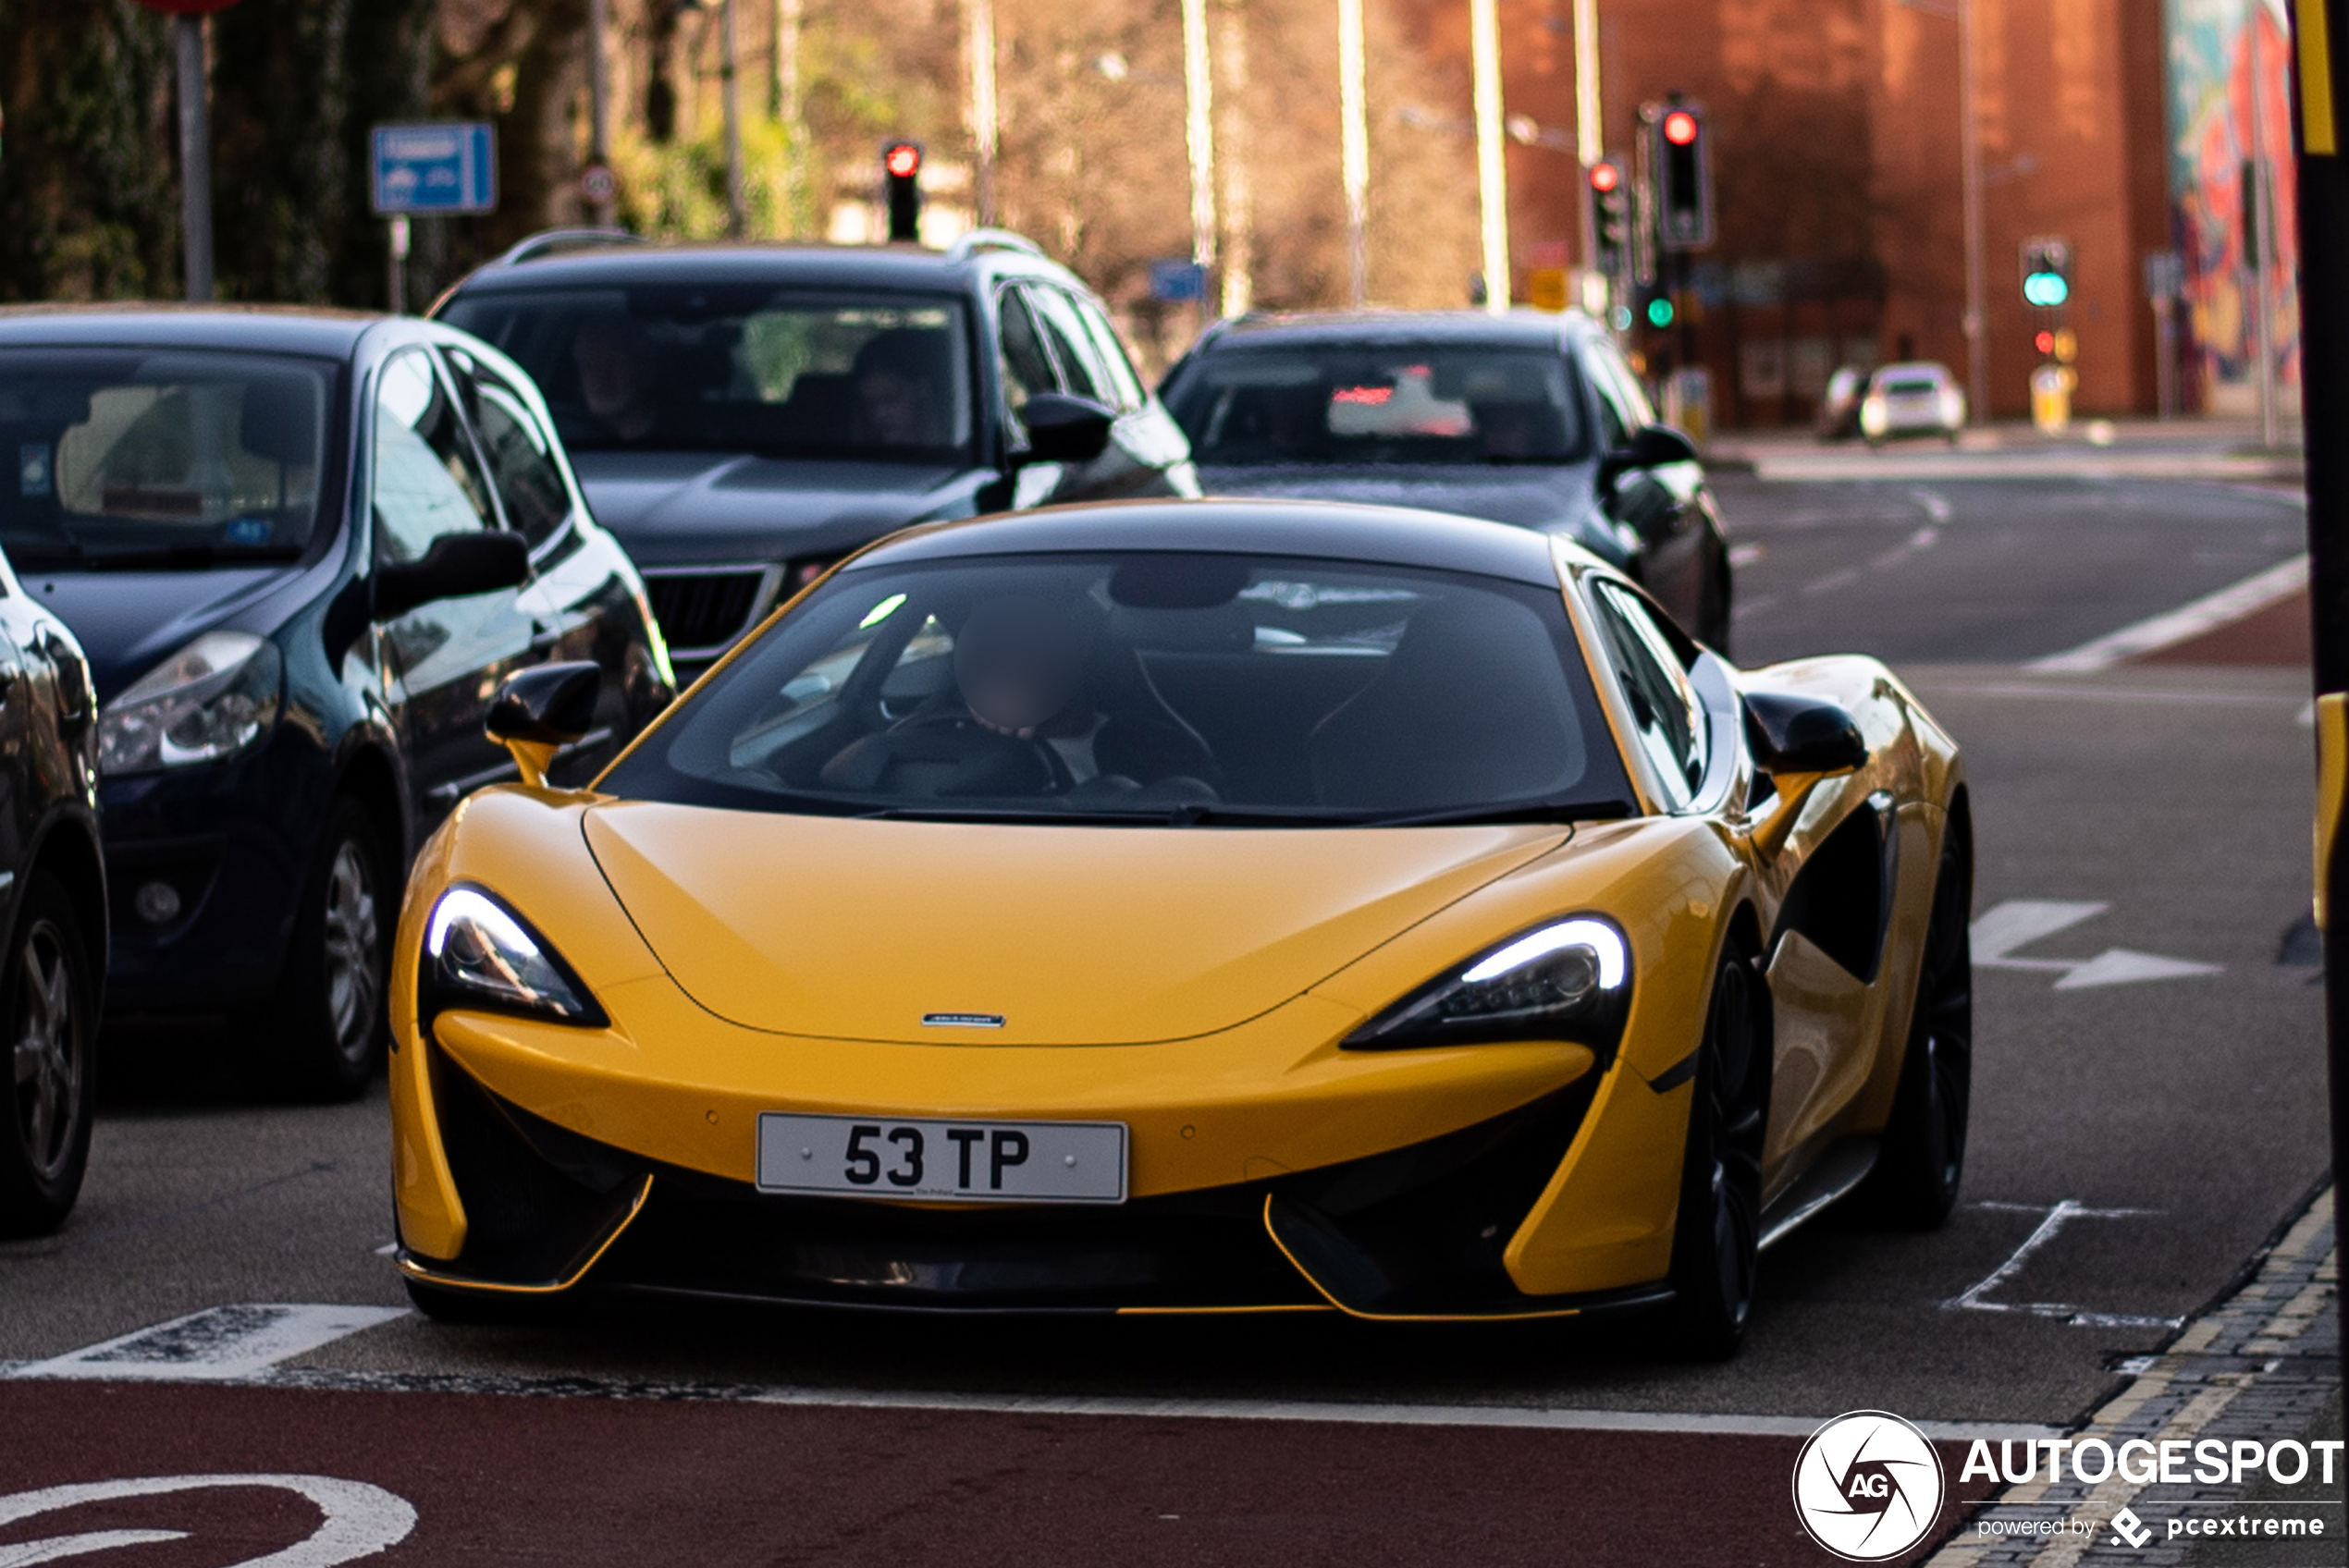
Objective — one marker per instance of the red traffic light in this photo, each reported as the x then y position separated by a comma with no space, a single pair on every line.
2044,342
1604,177
1679,128
903,160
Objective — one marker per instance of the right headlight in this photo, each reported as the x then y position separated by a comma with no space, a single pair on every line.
1568,980
210,700
479,954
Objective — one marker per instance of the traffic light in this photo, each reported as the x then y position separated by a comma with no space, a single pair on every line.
902,181
1610,218
2047,272
1682,159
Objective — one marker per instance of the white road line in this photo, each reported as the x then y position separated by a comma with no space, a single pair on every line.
2205,614
1936,507
1746,554
1535,1417
1976,1297
1833,581
218,1343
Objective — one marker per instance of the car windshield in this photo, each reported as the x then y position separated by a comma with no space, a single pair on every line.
1259,407
1149,688
182,455
741,369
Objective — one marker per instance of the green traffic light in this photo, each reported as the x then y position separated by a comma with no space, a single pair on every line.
2046,289
1659,312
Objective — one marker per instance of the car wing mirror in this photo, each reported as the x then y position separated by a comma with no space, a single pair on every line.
540,711
1798,741
1064,429
456,565
1651,446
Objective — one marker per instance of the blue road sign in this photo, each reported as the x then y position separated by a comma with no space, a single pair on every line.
1177,282
444,167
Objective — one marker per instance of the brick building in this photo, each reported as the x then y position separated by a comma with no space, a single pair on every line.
1836,135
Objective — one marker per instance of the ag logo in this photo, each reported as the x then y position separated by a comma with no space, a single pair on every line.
1868,1486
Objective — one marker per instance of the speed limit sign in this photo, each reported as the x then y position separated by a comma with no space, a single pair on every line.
597,184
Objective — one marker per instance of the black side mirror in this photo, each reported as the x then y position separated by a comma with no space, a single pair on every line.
1654,445
1062,429
551,704
456,565
1802,735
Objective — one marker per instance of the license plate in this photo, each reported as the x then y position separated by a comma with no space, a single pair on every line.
958,1161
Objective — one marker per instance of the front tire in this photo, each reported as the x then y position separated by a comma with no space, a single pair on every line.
51,1089
1717,1234
322,1037
1915,1181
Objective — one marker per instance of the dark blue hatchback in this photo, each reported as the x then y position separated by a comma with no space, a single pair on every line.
302,550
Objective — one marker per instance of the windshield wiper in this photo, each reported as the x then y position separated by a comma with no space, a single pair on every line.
1526,810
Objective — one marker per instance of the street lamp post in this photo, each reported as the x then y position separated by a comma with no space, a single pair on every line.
195,137
1492,172
1199,101
1354,144
599,203
980,20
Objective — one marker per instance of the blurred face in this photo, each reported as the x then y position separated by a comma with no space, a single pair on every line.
611,369
889,407
1018,664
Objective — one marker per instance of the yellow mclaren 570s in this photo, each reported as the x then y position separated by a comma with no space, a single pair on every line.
1192,907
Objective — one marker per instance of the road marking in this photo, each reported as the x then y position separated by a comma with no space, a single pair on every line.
360,1520
2209,612
2018,923
1752,606
1834,580
1976,1297
1936,507
1923,539
218,1343
1746,554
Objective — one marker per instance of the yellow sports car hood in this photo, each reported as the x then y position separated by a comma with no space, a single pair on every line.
852,930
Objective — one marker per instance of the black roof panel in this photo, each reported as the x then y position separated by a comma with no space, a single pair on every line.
1329,530
1519,328
277,329
851,267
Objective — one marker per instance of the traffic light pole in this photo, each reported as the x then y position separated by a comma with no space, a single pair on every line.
2321,30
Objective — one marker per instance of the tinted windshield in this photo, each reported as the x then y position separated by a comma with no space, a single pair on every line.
741,369
1151,687
122,453
1405,405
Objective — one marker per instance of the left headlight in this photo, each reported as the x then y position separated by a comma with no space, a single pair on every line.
210,700
478,953
1568,980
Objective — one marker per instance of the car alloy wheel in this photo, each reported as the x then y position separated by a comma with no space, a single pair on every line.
1915,1181
352,948
46,1001
1717,1236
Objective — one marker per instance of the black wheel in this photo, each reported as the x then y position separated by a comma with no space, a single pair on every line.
45,998
1717,1234
1915,1181
322,1037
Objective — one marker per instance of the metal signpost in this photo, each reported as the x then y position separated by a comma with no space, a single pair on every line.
195,138
429,169
2321,31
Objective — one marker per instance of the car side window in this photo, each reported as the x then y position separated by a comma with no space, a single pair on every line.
428,481
1631,395
1666,716
1027,367
1081,371
1122,377
520,452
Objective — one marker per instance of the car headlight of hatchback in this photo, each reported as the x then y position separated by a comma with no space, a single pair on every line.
209,701
480,954
1567,980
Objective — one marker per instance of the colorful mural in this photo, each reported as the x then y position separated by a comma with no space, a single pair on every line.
2230,61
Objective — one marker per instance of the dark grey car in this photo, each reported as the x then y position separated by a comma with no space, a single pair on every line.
1530,418
744,415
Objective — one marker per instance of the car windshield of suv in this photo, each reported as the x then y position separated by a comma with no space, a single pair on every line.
1167,689
182,455
741,369
1261,406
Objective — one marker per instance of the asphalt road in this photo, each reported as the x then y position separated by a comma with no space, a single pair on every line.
2178,1117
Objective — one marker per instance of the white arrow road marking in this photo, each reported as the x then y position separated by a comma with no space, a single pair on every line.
1976,1297
219,1342
2018,923
360,1520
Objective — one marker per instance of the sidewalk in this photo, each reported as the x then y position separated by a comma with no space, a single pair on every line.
2262,1367
2183,449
